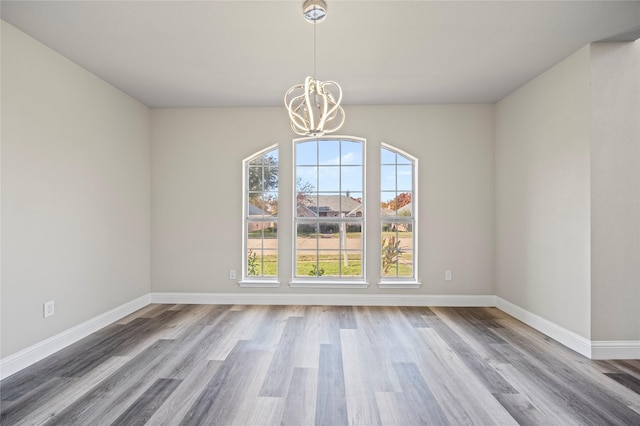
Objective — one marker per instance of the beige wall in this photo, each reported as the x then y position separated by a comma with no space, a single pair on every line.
615,191
197,192
75,193
542,195
568,194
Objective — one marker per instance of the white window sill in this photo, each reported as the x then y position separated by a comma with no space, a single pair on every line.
399,284
329,284
259,283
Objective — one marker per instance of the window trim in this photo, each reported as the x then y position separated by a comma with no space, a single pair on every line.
246,280
324,281
402,282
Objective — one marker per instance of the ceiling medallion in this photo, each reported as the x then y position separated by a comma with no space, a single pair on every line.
314,106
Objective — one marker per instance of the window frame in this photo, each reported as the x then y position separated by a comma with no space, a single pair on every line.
328,281
252,280
398,281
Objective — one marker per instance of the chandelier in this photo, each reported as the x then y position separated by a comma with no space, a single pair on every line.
314,106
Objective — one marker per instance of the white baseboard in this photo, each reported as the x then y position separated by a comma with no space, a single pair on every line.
324,299
28,356
568,338
621,349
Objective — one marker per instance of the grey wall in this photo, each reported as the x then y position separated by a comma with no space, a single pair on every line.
615,191
197,192
75,193
542,195
568,194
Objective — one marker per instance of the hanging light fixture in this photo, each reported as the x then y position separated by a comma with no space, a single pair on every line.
314,106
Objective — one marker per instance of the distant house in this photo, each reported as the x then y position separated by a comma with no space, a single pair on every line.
404,211
331,206
256,213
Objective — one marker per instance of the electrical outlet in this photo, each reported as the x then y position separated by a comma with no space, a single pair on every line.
49,308
447,275
232,274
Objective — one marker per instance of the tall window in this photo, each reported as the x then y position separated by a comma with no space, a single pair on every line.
261,216
398,215
329,214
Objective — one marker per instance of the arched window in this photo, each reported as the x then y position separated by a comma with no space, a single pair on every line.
398,213
329,211
261,217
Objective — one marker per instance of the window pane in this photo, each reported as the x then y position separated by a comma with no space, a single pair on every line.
388,178
352,204
405,179
403,160
351,153
329,152
270,203
306,178
353,237
351,263
328,178
405,264
387,156
254,208
351,179
307,153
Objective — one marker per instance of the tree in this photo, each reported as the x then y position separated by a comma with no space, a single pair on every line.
263,174
400,201
303,189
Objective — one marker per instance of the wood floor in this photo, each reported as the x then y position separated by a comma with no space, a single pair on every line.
322,365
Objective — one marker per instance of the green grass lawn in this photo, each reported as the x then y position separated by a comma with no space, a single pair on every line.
268,266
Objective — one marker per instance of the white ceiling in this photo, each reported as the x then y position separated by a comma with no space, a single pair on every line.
248,53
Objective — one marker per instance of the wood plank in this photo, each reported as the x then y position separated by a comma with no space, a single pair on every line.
300,402
141,410
331,401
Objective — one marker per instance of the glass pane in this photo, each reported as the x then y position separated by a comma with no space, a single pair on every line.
328,178
306,179
405,179
403,160
388,178
270,203
353,240
306,263
329,152
351,178
329,263
387,157
405,264
307,153
255,206
388,203
307,236
254,235
270,178
351,263
351,204
351,153
255,178
405,206
328,205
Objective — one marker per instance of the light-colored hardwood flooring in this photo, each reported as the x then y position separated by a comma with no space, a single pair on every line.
320,365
